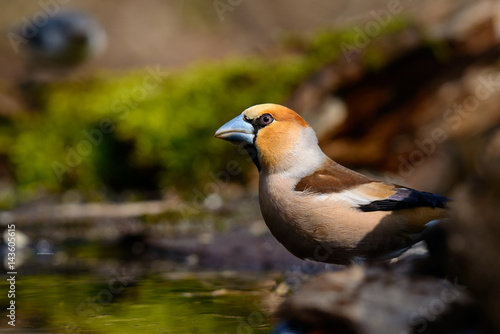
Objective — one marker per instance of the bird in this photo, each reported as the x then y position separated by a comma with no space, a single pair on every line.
318,209
53,48
65,40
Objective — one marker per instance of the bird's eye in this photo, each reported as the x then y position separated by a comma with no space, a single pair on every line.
265,119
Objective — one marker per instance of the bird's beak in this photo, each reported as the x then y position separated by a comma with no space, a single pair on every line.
236,131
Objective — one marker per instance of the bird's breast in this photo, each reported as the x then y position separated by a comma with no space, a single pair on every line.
310,225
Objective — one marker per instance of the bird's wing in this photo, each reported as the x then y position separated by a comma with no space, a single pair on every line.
404,198
364,193
331,178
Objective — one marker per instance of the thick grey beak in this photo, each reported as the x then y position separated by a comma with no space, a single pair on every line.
236,131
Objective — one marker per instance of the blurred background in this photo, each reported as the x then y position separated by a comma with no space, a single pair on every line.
129,215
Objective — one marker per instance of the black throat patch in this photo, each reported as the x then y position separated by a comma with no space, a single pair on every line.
252,151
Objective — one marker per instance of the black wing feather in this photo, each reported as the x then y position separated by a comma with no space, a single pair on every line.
406,198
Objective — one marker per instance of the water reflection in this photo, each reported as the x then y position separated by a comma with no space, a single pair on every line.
151,275
127,301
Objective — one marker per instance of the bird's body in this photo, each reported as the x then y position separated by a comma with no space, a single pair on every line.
319,209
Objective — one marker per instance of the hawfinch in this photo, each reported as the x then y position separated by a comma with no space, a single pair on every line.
318,209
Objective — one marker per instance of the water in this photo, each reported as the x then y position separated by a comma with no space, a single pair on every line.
122,302
147,274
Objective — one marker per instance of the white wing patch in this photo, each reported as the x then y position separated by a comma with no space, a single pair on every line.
353,197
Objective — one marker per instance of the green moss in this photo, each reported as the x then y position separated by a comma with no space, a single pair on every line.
149,129
164,126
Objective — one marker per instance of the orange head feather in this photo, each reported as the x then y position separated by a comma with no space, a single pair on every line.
278,139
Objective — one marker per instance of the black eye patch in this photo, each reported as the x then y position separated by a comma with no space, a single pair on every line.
260,122
263,121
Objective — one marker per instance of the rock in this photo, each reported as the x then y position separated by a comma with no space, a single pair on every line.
328,117
377,299
412,116
475,229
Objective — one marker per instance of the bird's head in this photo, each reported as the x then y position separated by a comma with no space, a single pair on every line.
276,137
